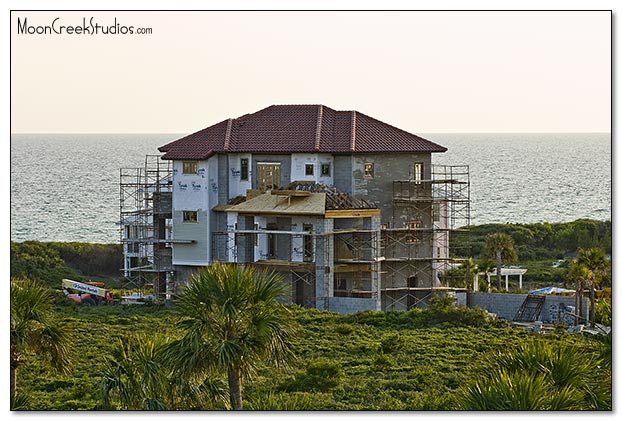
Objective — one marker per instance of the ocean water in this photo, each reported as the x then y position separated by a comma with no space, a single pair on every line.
66,187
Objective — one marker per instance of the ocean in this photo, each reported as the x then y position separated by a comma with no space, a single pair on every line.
66,187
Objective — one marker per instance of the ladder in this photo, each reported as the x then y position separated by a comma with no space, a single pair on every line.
530,310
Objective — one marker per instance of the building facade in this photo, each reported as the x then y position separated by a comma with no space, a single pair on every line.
350,210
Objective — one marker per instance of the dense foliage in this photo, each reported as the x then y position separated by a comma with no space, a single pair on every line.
542,240
51,262
410,360
539,376
545,249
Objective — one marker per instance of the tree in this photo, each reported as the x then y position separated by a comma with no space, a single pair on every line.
470,271
595,262
579,274
485,267
35,328
233,323
137,377
500,248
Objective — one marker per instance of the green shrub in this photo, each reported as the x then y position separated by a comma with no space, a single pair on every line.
297,401
538,376
320,375
383,362
391,343
602,312
344,329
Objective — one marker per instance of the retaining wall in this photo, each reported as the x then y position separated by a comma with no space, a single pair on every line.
505,306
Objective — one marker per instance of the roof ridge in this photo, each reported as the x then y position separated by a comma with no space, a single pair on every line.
318,129
228,134
353,131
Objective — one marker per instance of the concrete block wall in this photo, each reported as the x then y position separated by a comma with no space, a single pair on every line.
505,306
349,305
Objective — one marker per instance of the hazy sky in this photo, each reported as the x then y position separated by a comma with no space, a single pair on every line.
471,71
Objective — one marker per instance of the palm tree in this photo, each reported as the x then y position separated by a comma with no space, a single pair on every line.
594,260
500,248
486,266
35,328
136,377
580,275
233,323
470,270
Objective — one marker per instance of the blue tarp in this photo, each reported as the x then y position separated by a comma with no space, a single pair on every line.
550,290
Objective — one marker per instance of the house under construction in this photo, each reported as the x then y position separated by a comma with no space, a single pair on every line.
348,209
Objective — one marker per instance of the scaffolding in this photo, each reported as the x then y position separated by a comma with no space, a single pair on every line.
416,244
145,209
237,246
330,253
350,254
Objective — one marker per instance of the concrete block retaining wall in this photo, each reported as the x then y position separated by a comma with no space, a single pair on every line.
505,306
349,305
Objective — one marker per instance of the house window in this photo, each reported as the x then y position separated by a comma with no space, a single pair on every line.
190,216
436,212
268,176
418,172
325,169
309,169
368,170
190,167
244,169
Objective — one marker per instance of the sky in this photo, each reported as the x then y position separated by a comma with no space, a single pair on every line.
422,71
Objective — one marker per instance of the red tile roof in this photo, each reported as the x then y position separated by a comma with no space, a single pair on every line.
298,128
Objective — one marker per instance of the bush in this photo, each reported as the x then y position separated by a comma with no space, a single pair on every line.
391,343
383,362
344,329
602,313
321,375
298,401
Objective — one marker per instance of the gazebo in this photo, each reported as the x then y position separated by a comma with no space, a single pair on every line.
506,272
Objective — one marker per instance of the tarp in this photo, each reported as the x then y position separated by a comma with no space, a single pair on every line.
551,290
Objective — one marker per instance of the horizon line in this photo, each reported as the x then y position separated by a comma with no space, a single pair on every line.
419,132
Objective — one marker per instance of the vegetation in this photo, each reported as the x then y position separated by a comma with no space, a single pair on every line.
232,322
137,376
500,249
35,329
541,240
51,262
594,262
544,249
409,360
539,376
444,357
